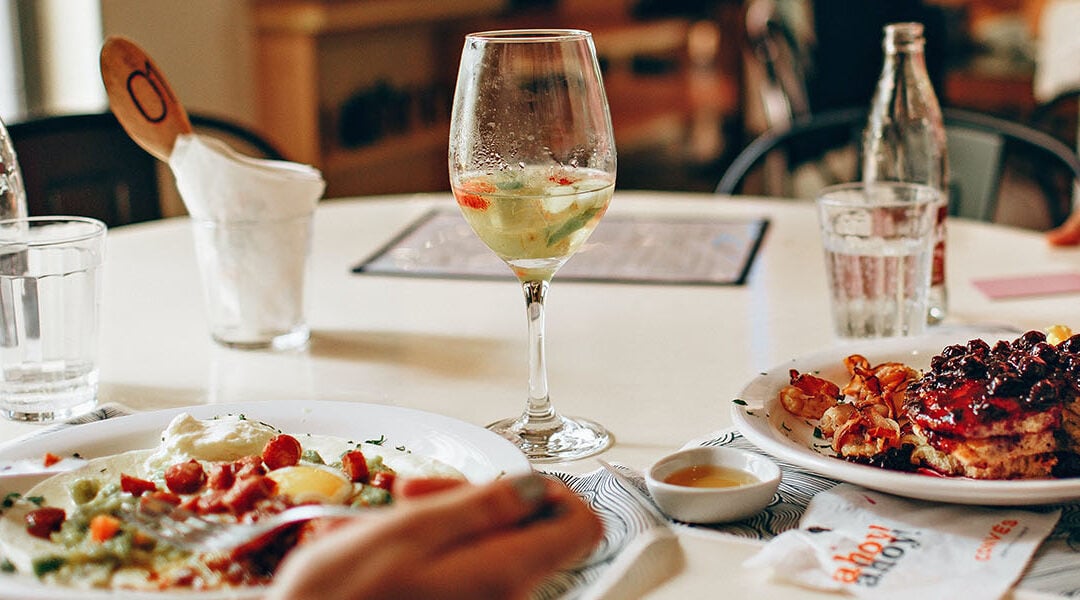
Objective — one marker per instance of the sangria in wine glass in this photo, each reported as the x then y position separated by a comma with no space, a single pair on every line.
532,166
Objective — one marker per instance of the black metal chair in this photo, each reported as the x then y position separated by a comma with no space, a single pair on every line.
981,148
1059,116
85,164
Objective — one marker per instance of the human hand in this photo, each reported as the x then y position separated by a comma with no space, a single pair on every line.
493,541
1067,234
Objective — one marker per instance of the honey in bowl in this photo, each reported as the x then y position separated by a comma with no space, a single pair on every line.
710,476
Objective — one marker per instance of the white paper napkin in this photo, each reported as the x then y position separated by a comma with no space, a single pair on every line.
874,545
648,560
221,184
252,236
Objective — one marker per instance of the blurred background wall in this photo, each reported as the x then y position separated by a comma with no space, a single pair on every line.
361,88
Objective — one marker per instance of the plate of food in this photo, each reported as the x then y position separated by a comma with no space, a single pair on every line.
985,418
227,463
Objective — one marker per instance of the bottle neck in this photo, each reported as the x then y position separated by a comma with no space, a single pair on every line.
904,38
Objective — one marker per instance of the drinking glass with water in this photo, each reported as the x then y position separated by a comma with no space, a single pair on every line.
878,240
50,302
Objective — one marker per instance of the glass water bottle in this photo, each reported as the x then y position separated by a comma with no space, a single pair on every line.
905,136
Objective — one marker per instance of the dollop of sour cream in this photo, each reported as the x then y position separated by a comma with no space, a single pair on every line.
224,438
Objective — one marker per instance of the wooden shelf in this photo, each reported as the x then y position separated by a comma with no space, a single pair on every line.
313,56
397,147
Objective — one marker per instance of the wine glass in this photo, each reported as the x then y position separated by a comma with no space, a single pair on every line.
532,167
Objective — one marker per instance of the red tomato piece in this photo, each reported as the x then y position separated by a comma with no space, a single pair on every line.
383,479
211,502
221,476
136,486
281,451
43,521
191,503
472,201
185,478
51,459
355,466
246,492
248,466
167,497
182,577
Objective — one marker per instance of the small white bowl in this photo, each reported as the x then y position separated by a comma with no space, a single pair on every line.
713,505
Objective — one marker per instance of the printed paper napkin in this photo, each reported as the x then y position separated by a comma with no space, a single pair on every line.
874,545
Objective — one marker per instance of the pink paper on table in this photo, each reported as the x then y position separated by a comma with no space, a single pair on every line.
1044,284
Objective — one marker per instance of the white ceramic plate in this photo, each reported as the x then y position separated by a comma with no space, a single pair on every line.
768,425
478,453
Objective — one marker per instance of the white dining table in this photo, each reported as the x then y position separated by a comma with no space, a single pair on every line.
657,364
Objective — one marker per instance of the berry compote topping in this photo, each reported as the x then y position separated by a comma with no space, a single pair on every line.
970,385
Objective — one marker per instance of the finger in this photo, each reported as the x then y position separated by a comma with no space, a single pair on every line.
446,518
359,555
411,488
1068,234
538,549
1063,237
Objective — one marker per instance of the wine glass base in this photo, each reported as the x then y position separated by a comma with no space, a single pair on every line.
571,438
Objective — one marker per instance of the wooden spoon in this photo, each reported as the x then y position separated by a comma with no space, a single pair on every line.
141,98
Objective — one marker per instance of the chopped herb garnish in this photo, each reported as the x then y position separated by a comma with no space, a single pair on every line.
818,434
784,427
264,424
6,566
36,500
378,442
48,564
400,448
739,401
9,500
76,455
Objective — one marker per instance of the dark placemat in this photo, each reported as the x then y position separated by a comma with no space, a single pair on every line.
654,249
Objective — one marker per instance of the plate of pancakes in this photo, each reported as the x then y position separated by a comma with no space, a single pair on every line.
995,413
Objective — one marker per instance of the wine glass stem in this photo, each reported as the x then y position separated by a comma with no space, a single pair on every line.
540,414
